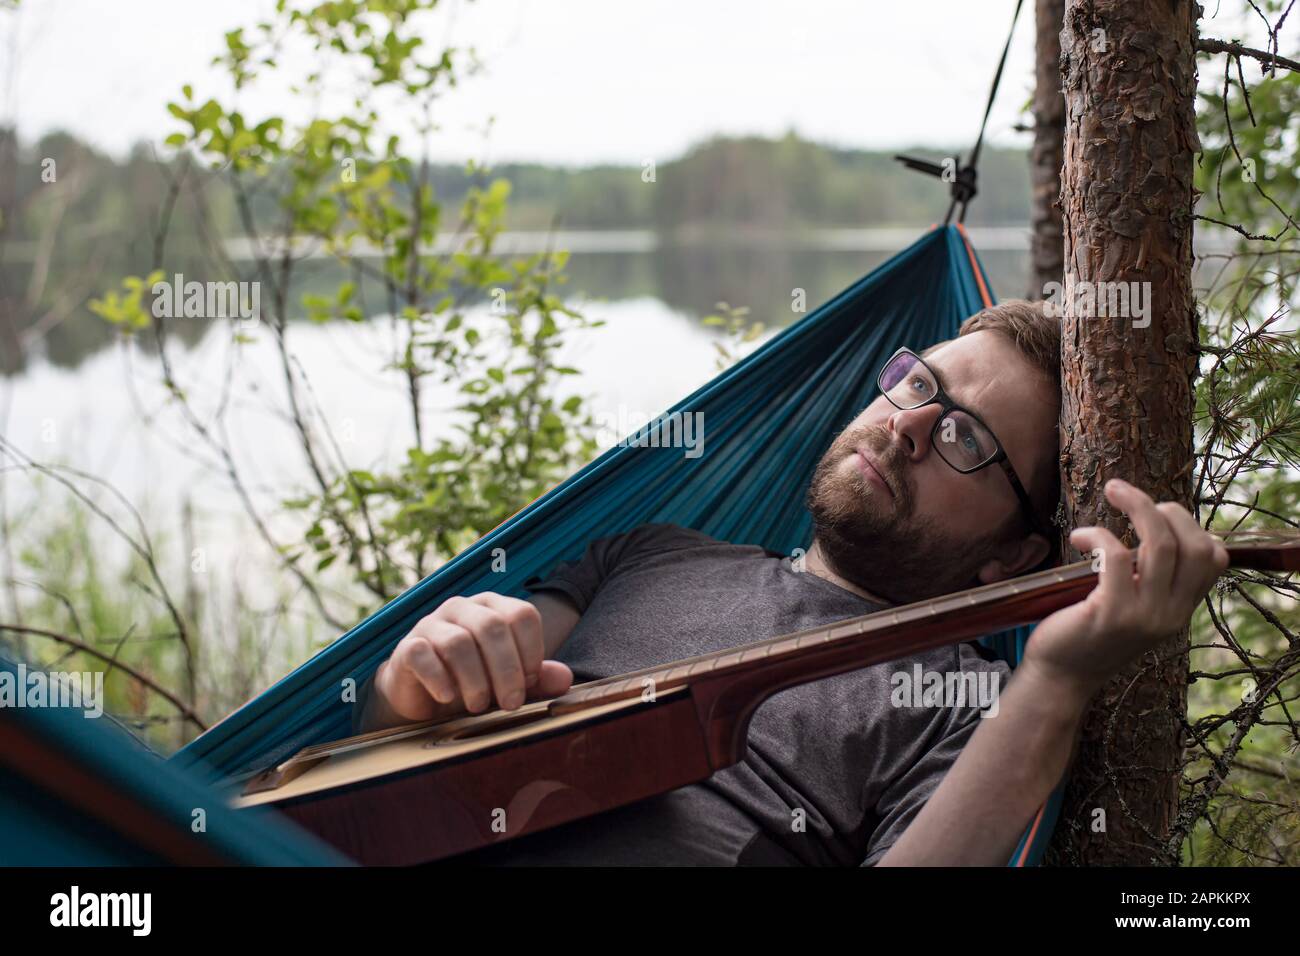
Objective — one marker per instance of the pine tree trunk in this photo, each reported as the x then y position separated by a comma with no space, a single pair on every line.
1129,76
11,359
1048,151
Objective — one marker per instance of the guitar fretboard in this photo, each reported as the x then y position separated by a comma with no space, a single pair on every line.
1247,548
670,675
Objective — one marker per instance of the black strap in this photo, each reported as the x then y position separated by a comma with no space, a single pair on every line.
963,187
993,92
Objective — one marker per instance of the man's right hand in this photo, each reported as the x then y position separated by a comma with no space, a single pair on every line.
466,655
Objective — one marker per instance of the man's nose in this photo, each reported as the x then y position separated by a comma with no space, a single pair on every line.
912,427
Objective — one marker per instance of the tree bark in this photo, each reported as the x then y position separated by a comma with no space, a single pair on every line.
1129,73
1047,155
11,359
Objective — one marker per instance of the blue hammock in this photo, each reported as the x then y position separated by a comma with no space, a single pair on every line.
78,791
771,416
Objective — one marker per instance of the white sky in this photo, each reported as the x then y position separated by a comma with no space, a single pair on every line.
568,81
575,81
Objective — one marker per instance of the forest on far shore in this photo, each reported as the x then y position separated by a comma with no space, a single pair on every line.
106,215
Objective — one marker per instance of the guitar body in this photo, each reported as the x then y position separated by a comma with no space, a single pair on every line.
478,781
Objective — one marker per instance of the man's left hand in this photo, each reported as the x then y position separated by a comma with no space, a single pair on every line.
1130,611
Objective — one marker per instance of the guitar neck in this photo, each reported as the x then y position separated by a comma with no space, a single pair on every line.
891,634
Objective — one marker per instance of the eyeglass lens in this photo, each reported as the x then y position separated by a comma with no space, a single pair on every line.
963,441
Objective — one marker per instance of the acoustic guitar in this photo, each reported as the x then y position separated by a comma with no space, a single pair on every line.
427,791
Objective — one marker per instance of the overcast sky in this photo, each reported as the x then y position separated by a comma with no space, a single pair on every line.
568,81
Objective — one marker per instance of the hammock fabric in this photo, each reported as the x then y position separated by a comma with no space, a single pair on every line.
77,791
770,416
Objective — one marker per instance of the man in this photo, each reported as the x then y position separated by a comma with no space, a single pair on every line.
947,480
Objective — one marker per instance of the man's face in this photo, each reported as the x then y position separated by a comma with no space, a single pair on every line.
897,520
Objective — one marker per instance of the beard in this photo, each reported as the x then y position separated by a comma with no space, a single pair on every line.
878,542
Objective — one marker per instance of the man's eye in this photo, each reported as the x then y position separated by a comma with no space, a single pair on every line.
970,442
920,384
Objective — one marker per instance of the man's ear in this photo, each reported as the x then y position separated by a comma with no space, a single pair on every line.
1016,558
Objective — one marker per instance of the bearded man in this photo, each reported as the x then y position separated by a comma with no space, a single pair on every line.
947,480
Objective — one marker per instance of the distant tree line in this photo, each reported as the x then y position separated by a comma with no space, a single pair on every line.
61,246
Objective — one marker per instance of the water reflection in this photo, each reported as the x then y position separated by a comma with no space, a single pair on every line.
688,278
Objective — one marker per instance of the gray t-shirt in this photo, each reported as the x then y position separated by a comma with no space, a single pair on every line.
833,772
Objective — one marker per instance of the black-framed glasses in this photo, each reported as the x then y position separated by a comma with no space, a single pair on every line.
964,442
